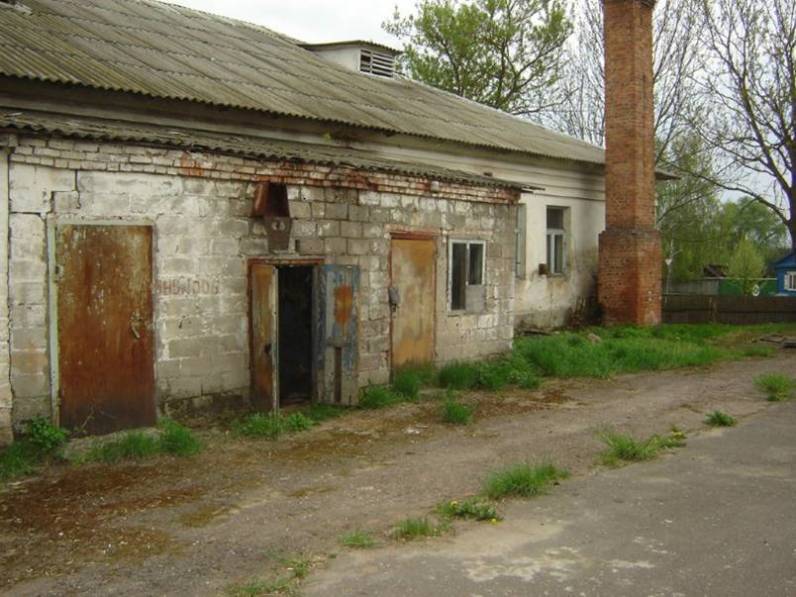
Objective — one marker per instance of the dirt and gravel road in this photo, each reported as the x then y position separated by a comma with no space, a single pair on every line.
197,526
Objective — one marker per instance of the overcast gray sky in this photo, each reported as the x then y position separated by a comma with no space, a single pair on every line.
312,20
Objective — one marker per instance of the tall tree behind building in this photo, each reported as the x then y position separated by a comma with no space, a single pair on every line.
502,53
678,59
751,93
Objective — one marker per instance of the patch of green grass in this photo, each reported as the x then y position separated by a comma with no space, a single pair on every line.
171,439
177,440
298,566
777,386
471,508
459,376
375,397
720,419
416,528
41,440
133,445
625,448
358,540
45,437
521,480
407,383
758,351
323,412
272,425
456,413
623,350
17,460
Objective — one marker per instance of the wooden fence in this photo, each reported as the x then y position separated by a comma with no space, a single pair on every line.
728,309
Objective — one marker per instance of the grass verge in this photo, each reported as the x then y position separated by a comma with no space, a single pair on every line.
623,448
272,425
522,480
778,387
720,419
171,439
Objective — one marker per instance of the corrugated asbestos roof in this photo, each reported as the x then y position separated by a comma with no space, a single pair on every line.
165,51
245,146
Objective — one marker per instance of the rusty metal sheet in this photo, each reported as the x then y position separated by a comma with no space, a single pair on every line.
412,273
337,319
264,347
105,332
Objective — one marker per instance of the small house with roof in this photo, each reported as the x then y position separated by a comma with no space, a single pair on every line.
785,270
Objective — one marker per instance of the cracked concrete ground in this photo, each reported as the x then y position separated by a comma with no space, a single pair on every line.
716,518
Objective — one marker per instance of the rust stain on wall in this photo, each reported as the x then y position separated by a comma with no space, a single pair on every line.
190,166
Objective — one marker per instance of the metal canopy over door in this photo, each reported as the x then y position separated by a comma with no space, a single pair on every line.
413,296
106,377
264,348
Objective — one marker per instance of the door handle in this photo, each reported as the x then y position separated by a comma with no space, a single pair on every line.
135,319
267,349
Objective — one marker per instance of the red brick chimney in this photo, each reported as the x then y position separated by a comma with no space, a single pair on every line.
629,282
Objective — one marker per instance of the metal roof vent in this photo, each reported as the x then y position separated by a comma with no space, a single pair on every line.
362,56
377,63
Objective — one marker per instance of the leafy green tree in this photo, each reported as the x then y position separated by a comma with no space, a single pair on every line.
502,53
746,265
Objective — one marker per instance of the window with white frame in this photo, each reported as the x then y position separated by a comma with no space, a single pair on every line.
790,281
467,260
556,240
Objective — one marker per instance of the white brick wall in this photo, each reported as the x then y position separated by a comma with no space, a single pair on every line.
203,239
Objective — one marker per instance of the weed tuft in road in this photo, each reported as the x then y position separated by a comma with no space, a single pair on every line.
456,413
720,419
416,528
777,386
625,448
522,480
472,508
358,540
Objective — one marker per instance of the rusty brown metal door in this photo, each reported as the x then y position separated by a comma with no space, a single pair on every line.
105,337
264,348
413,296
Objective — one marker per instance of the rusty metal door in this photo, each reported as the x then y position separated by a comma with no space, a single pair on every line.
413,299
105,337
337,321
264,347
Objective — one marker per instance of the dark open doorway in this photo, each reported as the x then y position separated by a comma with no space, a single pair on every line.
295,334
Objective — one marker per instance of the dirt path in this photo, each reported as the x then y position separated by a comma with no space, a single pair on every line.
196,526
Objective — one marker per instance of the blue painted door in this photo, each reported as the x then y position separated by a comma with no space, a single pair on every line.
337,321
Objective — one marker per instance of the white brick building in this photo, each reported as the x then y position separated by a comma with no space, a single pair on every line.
218,216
